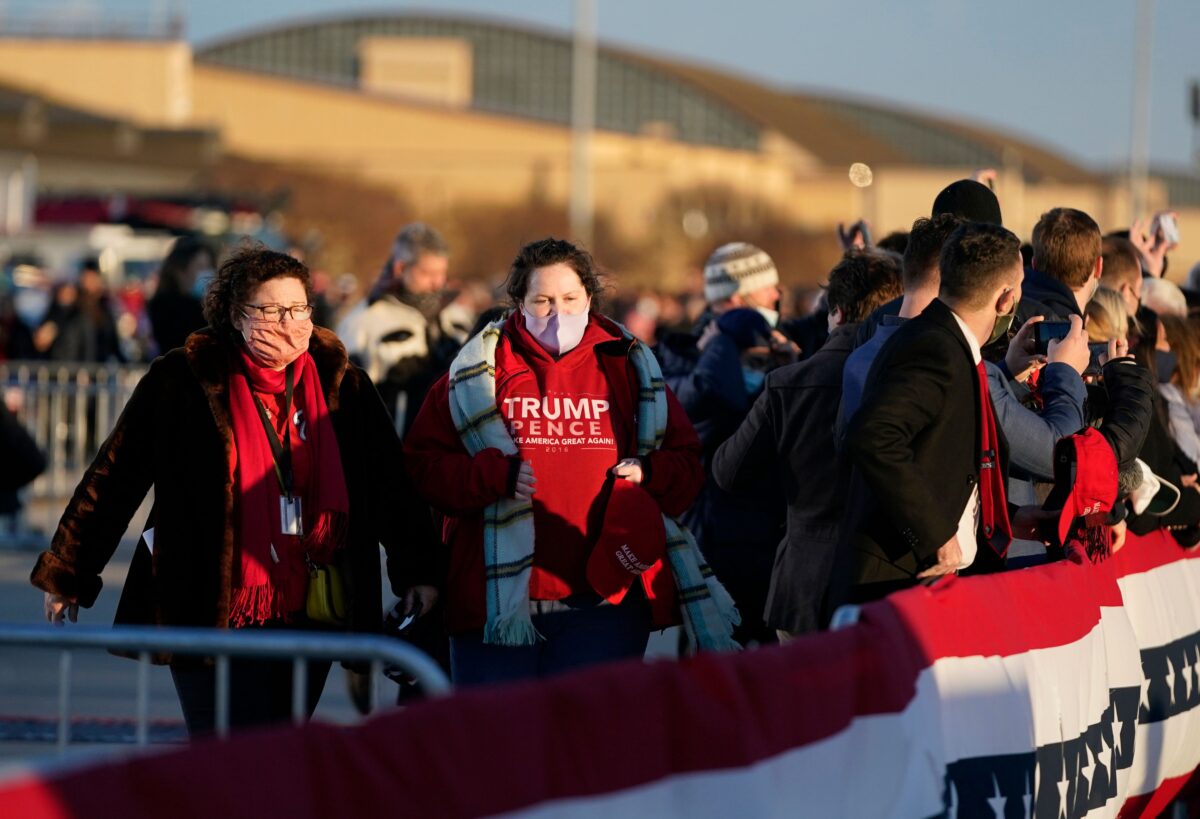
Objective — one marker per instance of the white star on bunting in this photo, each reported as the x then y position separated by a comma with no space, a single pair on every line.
997,801
1170,681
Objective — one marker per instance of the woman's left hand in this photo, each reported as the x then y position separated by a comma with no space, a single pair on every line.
428,596
630,469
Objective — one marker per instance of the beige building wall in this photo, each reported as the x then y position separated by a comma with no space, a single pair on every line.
439,153
440,156
147,82
431,69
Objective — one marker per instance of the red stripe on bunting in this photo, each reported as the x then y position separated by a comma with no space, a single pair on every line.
1015,612
491,750
604,730
1185,788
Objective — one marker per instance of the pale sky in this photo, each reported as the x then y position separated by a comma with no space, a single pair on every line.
1057,71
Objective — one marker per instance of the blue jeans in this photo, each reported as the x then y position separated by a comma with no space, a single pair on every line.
584,635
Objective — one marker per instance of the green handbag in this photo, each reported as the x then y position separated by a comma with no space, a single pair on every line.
326,598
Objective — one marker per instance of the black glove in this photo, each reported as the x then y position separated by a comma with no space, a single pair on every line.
746,326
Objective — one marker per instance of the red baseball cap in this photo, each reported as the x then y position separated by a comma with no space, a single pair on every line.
633,539
1085,480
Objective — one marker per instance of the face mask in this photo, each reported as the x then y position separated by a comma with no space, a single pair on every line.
559,333
1002,324
203,277
772,316
753,379
1001,327
1165,362
276,344
428,304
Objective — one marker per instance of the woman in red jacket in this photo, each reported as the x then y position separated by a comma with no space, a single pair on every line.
520,447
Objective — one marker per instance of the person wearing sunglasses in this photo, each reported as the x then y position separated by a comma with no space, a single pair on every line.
270,456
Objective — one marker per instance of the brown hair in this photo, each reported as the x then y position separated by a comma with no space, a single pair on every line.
546,252
1066,244
1122,262
862,281
1181,335
240,274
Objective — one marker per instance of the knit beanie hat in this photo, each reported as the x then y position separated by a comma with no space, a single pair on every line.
738,267
970,200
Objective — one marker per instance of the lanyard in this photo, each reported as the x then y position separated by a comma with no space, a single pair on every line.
281,453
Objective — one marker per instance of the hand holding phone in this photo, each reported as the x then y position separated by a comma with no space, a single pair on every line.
1071,348
1165,229
1046,331
398,622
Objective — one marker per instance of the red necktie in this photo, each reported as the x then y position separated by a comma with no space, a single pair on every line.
992,502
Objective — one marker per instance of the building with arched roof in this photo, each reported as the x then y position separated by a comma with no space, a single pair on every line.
449,110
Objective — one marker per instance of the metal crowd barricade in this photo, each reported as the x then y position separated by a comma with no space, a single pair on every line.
69,408
298,646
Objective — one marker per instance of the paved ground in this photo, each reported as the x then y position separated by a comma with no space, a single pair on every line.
103,687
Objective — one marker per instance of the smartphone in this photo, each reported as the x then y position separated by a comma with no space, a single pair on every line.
397,623
1046,331
1097,349
1168,226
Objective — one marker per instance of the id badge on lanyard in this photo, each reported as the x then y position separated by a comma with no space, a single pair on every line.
291,518
291,513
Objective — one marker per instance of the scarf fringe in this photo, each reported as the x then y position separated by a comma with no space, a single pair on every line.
255,605
329,533
512,631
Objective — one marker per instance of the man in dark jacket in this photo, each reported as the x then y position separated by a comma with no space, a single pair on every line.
406,334
716,372
1066,264
928,494
787,439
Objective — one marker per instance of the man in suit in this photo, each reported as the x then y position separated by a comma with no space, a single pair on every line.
928,493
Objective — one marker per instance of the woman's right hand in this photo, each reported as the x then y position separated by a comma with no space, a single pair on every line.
58,607
525,482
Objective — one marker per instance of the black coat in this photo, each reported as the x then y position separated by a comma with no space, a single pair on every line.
788,438
1160,453
1059,301
176,436
1027,308
914,445
710,387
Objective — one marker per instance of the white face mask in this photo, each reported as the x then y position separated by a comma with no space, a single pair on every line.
772,316
560,332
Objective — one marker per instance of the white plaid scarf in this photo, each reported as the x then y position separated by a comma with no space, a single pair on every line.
508,538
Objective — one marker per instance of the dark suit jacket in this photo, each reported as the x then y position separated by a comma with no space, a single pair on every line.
914,445
788,439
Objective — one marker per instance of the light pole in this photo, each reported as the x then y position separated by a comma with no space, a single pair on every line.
1139,139
583,120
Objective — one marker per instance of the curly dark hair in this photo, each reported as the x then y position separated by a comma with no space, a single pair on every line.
546,252
862,281
975,260
243,271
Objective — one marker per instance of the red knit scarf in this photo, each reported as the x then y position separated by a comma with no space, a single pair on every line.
264,589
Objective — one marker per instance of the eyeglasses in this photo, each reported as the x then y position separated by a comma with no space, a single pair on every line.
277,312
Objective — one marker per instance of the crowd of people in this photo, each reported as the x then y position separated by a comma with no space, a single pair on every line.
550,484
